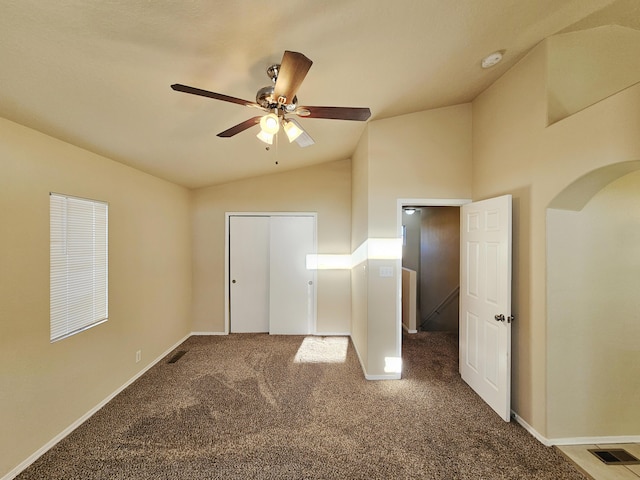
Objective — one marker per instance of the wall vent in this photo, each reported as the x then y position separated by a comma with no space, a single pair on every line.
615,456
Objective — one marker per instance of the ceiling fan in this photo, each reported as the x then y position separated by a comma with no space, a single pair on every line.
279,100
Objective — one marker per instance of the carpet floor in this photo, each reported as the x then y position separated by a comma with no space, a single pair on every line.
254,406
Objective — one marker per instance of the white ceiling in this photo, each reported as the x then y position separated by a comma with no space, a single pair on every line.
97,74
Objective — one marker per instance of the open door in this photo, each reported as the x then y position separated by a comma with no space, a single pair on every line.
485,301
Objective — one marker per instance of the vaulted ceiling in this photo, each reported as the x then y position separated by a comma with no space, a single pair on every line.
97,74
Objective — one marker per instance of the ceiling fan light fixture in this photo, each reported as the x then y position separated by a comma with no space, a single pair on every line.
270,124
292,129
265,137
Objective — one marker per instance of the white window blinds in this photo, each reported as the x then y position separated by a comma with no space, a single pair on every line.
79,264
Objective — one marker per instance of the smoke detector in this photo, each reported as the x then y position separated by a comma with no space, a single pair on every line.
492,59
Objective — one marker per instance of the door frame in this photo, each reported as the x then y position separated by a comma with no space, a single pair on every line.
410,202
227,291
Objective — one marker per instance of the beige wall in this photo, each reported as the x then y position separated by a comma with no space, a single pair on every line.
325,189
419,155
360,192
359,225
585,68
411,246
515,153
593,259
45,387
411,260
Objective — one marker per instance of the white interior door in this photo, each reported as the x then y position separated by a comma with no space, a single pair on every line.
485,301
292,285
249,274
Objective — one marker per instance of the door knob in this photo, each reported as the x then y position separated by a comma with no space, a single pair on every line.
499,318
233,281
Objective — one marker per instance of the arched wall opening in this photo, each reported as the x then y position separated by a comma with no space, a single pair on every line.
593,307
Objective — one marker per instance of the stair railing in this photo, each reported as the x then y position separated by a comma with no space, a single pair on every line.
436,311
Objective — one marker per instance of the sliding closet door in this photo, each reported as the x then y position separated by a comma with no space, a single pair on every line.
249,274
292,285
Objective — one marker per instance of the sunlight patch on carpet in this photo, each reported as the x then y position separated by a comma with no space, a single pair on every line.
393,364
322,350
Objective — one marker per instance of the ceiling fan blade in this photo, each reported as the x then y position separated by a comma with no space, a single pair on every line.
359,114
241,127
218,96
293,69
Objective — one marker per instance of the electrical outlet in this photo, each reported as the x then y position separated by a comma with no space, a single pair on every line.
138,356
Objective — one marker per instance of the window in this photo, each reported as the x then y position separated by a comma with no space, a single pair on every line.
79,264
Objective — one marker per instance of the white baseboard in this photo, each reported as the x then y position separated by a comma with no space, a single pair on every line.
389,376
538,436
317,334
408,330
51,443
549,442
595,440
362,366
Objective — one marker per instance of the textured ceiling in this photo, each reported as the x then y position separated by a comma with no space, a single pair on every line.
97,74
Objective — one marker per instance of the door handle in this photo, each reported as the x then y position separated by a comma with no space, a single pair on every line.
500,318
233,281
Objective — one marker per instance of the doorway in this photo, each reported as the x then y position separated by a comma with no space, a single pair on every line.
485,276
431,248
484,336
268,285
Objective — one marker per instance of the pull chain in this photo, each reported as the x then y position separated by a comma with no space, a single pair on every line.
277,135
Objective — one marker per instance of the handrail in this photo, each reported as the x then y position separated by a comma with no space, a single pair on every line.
441,305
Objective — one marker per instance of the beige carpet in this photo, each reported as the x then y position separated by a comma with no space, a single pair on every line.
251,406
